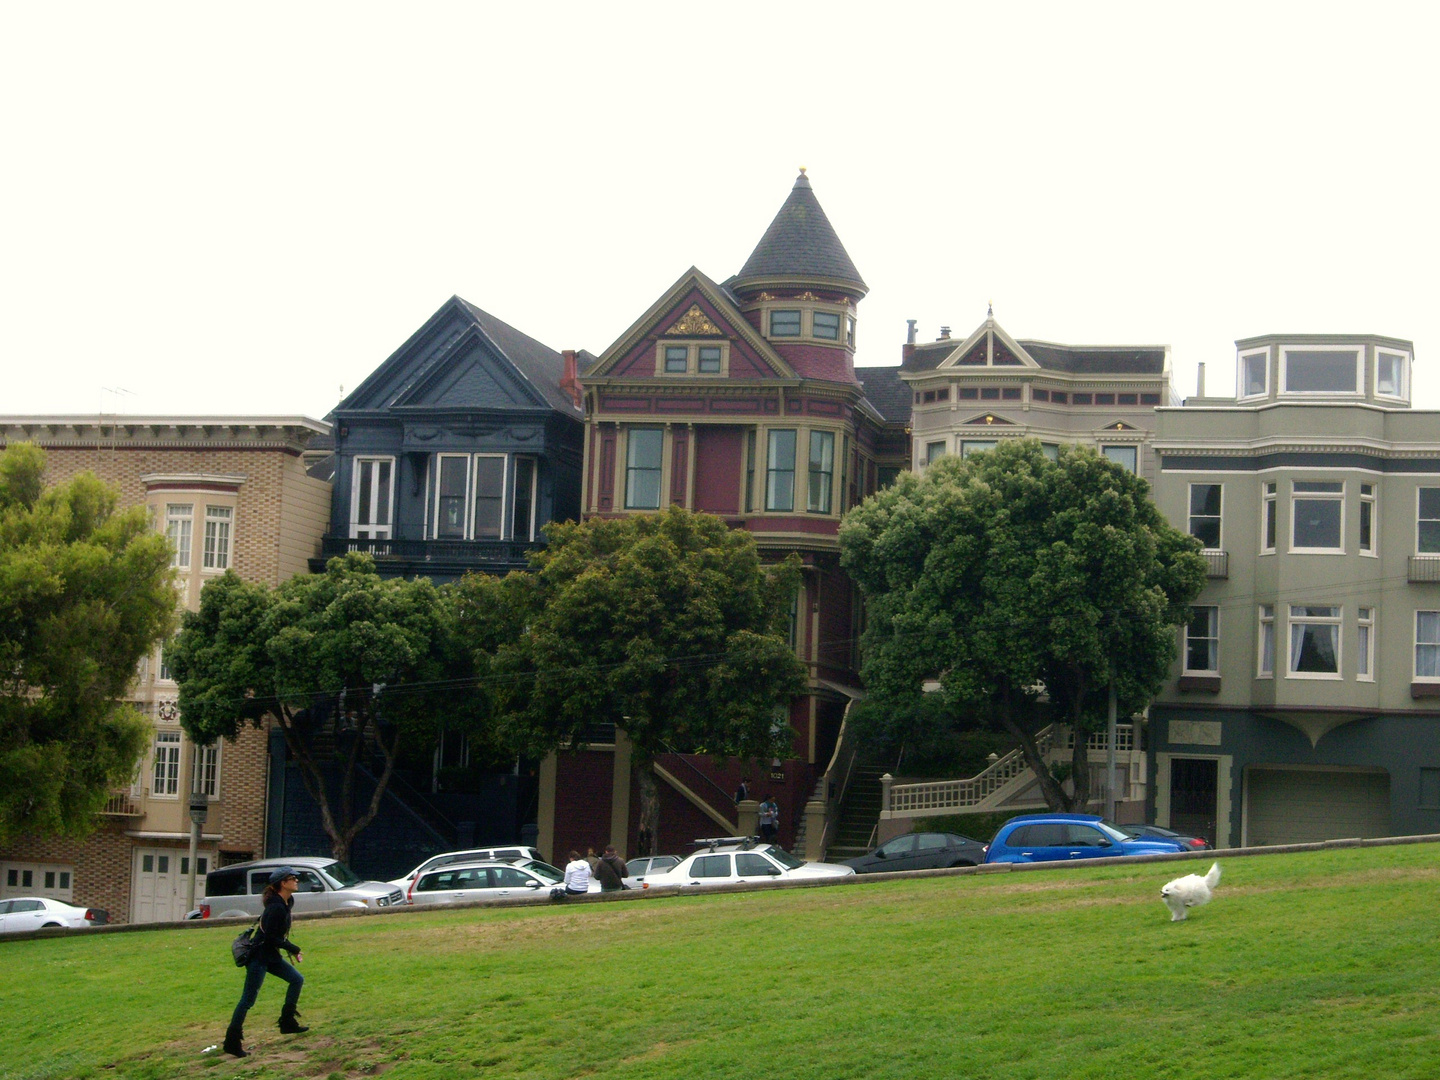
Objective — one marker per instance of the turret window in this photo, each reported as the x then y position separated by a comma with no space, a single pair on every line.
785,323
826,324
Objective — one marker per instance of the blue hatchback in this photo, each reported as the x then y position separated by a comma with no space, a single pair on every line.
1062,837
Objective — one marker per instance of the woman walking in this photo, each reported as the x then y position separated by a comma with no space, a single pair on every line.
274,936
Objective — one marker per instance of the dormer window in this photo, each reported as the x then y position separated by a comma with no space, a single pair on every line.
1320,370
1390,374
826,325
709,360
1254,378
785,323
677,359
692,357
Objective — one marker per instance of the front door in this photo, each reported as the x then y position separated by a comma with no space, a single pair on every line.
1193,804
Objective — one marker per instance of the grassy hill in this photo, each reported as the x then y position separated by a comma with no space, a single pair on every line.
1314,965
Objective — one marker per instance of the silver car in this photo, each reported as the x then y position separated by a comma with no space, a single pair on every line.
324,885
725,860
491,879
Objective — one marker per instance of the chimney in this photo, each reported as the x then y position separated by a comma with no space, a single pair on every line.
910,334
1200,380
570,380
944,334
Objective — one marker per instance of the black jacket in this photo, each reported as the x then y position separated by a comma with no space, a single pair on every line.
275,927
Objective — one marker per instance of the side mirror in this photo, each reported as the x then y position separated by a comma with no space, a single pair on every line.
880,853
774,871
1104,842
532,884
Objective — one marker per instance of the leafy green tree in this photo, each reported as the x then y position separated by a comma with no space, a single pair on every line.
86,591
345,663
666,625
1010,578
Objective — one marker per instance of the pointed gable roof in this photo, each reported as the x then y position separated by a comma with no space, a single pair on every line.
801,245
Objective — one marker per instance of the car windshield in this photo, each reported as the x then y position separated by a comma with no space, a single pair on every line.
341,874
543,871
784,858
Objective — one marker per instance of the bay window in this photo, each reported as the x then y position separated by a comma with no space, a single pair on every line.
1314,641
1128,456
1427,523
450,498
822,471
643,454
1317,515
1267,641
522,525
1427,645
217,537
179,522
780,471
165,778
1315,370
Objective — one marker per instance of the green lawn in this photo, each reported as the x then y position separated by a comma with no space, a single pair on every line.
1313,965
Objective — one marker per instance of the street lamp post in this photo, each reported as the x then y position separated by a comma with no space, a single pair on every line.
199,807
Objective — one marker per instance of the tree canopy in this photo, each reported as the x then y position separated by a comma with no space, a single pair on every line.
666,625
348,664
85,593
1011,578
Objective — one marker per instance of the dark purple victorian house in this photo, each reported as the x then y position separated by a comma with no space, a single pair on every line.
741,399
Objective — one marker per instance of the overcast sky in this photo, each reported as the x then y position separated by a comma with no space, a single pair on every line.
243,208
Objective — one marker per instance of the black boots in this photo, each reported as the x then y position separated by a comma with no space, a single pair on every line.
233,1037
288,1023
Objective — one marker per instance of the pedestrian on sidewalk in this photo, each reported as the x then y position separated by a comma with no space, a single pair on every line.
279,898
769,819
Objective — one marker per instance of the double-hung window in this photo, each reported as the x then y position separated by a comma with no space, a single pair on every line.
522,524
179,521
165,780
1367,519
450,497
677,359
709,361
1266,669
1427,645
780,471
1317,516
1268,519
822,471
371,498
785,323
1202,641
205,778
749,470
1314,641
643,452
217,537
1128,456
825,325
489,496
1427,526
1365,644
1205,514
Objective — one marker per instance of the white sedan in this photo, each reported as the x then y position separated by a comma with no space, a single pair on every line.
38,912
724,863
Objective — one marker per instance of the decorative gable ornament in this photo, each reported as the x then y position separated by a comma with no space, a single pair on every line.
694,323
990,419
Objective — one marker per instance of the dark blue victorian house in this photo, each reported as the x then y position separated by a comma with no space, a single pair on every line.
454,453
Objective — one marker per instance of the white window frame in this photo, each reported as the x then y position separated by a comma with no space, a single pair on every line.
1269,504
1415,654
1286,350
1365,644
180,524
1336,620
1185,643
165,784
472,495
219,522
1240,394
1316,496
376,532
466,512
1369,497
1190,513
1267,628
1405,361
205,769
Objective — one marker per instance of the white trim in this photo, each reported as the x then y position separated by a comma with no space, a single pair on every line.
1337,621
1418,489
1373,499
1190,512
1365,644
472,494
1185,642
1261,623
1317,496
1223,770
357,463
1357,349
1268,499
1405,366
464,495
1415,676
1240,359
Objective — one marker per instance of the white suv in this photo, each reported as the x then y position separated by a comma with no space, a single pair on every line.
449,858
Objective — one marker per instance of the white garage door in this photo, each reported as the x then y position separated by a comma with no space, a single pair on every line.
161,882
1302,806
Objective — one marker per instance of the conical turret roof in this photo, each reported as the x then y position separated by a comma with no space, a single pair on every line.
800,246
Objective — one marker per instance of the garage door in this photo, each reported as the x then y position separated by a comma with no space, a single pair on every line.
1301,806
161,882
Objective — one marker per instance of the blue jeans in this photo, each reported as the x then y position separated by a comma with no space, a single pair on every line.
255,973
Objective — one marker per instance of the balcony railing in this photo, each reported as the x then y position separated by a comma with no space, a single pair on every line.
477,553
1425,568
1217,564
122,804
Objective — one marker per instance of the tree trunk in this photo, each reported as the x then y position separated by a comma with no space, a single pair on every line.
1080,754
649,805
1050,788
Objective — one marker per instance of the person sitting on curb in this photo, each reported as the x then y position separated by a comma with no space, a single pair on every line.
577,875
611,870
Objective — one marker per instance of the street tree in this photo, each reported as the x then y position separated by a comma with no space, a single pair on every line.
348,665
86,592
1026,588
666,625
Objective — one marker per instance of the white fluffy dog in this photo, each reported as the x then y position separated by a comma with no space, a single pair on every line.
1189,891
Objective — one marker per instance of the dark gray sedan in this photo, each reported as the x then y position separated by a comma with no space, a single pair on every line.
921,851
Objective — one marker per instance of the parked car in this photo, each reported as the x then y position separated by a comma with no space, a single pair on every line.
727,859
448,858
21,913
1058,837
920,851
490,879
1193,843
637,870
325,885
